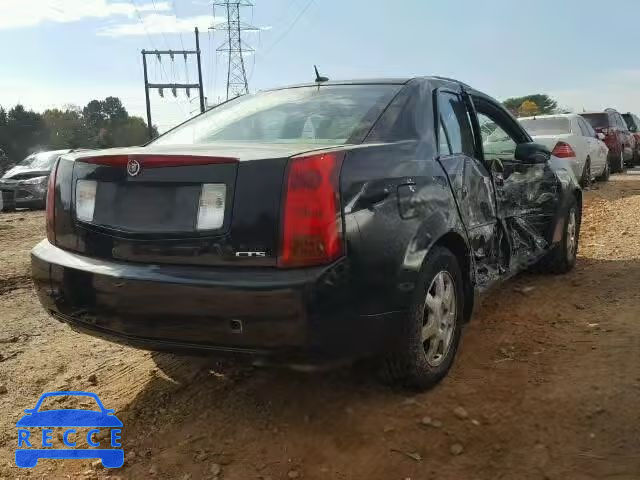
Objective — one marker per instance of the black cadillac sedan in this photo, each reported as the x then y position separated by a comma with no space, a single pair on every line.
310,223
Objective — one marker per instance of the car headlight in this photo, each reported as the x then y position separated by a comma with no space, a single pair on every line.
35,180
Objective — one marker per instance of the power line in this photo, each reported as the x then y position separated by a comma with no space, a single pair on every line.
186,65
284,34
162,70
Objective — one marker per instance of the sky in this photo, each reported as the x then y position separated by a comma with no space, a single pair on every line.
59,52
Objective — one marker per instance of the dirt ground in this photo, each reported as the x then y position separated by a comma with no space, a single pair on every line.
548,379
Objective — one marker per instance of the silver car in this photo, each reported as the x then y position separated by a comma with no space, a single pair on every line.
25,185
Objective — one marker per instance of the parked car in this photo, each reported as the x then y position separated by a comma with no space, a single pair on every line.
27,181
618,138
633,123
571,137
319,222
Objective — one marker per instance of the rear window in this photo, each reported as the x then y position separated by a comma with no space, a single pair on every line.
326,115
546,126
597,120
628,118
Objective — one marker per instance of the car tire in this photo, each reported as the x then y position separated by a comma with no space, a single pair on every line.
561,258
619,164
431,332
606,173
585,179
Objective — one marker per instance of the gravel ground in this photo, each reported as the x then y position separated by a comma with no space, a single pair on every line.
546,386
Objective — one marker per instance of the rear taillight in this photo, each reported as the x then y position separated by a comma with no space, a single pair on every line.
563,150
51,204
312,222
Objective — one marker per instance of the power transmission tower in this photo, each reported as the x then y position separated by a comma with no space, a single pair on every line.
234,46
172,86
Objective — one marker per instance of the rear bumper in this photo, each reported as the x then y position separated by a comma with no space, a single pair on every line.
295,314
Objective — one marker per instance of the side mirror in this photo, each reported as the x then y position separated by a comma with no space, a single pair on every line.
532,153
600,135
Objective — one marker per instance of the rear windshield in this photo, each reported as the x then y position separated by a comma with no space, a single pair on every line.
327,115
41,161
546,126
628,119
597,120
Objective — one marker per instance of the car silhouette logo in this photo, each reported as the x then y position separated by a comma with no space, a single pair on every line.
133,167
67,418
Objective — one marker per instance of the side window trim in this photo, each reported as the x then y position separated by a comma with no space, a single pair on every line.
442,126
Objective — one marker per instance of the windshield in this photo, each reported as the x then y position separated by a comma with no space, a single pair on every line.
597,120
546,126
326,115
40,161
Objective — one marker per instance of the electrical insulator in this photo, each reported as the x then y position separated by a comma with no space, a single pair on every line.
161,92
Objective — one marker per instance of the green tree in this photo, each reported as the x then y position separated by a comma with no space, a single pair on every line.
545,103
100,124
25,131
66,128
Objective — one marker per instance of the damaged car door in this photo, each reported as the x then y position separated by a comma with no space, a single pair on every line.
526,188
461,156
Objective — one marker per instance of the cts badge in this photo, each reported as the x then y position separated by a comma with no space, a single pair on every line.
133,167
251,254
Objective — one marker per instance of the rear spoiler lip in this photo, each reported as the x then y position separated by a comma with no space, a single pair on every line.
156,160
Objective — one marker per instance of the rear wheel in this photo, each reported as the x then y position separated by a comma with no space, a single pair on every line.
618,166
433,325
562,256
585,180
606,172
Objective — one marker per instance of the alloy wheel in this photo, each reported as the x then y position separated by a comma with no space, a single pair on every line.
440,316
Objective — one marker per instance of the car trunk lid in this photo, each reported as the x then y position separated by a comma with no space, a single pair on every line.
148,203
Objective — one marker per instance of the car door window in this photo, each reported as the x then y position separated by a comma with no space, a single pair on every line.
454,120
584,127
621,122
496,142
590,131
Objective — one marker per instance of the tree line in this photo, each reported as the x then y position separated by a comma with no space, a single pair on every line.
535,104
100,124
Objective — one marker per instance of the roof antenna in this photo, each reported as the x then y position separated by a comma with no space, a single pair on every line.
320,79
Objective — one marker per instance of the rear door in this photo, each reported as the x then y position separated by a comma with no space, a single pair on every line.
471,183
627,139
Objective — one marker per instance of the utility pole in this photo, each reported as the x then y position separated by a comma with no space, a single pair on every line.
234,46
174,87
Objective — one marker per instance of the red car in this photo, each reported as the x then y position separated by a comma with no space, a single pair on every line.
617,136
633,122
